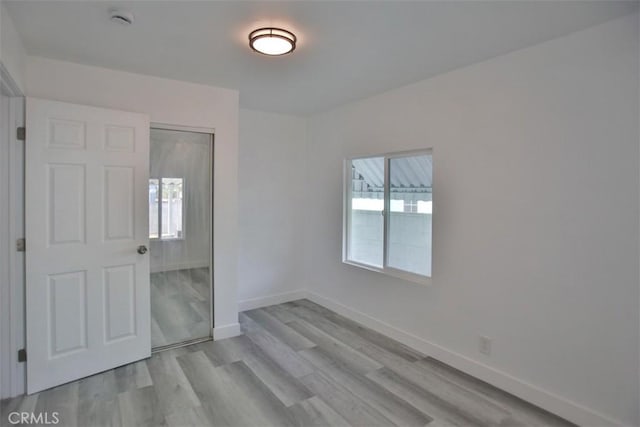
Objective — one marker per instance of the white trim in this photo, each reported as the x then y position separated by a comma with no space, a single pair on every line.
17,259
180,266
549,401
265,301
6,347
393,154
346,217
393,272
180,128
226,331
12,381
8,83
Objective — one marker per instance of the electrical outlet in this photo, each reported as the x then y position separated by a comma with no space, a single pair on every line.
484,345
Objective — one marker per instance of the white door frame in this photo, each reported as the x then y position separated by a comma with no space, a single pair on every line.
12,313
212,133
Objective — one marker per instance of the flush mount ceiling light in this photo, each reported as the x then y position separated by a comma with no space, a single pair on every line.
272,41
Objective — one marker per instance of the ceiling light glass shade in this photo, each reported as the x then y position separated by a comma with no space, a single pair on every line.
272,41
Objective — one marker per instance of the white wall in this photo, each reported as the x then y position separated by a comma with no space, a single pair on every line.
272,184
12,52
535,225
170,102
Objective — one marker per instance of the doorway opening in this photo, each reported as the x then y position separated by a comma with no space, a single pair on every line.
180,235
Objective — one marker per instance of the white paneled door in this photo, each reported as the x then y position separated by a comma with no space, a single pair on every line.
87,284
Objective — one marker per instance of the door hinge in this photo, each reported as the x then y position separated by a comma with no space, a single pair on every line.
21,245
22,355
21,133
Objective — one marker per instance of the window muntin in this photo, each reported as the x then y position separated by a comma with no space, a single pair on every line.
388,214
166,208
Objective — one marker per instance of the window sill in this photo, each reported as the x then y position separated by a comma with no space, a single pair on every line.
392,272
166,239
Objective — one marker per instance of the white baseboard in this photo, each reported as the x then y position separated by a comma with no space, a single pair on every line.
226,331
551,402
179,266
250,304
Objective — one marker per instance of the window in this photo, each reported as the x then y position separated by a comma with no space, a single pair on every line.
166,206
388,214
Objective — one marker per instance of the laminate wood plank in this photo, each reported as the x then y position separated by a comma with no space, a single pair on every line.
210,387
99,413
140,408
314,412
178,351
247,324
474,404
234,394
373,351
286,387
172,386
478,404
522,412
22,403
283,355
258,394
99,386
388,404
283,385
196,417
228,350
427,401
279,330
62,399
345,403
132,376
281,312
335,350
304,307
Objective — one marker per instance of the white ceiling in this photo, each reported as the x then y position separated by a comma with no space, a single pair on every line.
346,50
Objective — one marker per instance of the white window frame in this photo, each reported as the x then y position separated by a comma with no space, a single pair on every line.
346,222
168,239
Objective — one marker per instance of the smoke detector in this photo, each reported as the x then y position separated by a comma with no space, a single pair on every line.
122,17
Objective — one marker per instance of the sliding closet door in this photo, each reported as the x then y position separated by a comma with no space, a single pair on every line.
180,185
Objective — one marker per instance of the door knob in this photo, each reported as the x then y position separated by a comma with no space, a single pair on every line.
142,249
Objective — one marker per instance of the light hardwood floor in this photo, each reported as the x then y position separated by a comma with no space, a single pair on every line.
297,364
180,306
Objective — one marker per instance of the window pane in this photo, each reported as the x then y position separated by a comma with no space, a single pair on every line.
172,208
410,217
153,208
366,222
